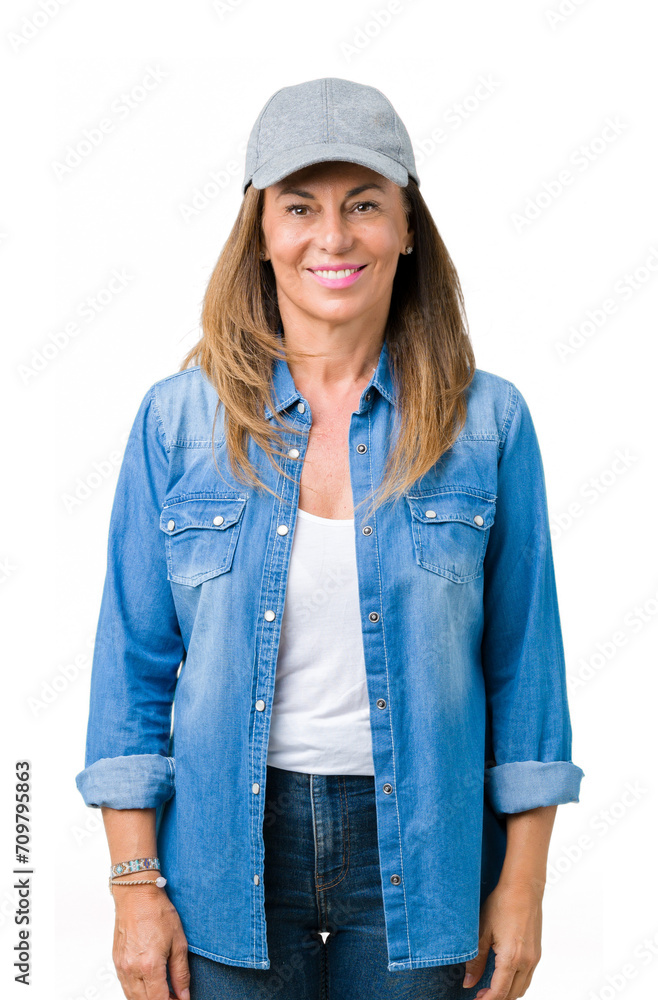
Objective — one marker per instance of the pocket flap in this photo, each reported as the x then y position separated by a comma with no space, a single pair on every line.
201,512
457,505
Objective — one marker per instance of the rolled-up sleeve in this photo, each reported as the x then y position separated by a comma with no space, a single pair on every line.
522,650
138,646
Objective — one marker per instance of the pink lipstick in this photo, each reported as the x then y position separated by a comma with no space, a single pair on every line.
343,282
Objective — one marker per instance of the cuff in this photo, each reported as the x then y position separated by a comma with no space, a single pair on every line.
527,784
137,781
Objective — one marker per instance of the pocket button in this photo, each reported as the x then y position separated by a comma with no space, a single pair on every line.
478,519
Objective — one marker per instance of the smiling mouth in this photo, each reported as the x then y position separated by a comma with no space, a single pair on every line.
332,275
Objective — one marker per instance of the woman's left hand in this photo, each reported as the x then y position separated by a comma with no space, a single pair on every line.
510,923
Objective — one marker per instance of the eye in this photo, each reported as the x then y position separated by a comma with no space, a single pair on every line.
290,209
293,209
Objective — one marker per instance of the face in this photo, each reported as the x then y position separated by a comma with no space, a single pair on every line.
330,217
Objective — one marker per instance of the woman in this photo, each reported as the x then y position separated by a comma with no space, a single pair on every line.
333,497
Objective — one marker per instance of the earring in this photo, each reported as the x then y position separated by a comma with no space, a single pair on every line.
408,249
262,255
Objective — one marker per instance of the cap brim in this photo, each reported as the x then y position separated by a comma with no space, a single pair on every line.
303,156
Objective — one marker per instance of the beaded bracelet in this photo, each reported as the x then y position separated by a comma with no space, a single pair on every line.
136,865
160,881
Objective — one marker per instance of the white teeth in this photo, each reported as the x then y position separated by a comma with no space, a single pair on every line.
336,274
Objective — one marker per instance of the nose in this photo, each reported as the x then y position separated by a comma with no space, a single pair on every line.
333,235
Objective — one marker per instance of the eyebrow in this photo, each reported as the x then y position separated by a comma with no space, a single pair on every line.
349,194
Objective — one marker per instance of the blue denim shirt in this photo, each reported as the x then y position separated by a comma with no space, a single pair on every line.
462,642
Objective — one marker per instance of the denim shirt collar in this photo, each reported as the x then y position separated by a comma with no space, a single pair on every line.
286,392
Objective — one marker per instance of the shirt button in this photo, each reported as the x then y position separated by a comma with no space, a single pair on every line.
293,453
255,788
256,879
282,529
361,448
367,530
260,705
171,525
478,519
395,879
218,520
270,616
388,788
373,616
430,513
381,703
301,407
367,397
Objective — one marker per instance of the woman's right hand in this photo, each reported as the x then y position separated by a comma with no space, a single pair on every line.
148,934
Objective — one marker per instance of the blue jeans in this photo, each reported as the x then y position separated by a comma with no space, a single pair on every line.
321,873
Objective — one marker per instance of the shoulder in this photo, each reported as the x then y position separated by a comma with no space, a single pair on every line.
185,404
492,404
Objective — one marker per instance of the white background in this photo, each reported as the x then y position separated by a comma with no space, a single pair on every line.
555,79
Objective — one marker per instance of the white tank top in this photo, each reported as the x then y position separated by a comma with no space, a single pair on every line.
320,715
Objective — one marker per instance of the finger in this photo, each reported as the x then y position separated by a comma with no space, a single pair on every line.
179,969
131,982
519,985
528,981
154,976
133,988
475,968
501,981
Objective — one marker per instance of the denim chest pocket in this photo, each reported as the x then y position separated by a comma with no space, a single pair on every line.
450,532
201,536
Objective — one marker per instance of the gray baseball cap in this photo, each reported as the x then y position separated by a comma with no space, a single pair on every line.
328,119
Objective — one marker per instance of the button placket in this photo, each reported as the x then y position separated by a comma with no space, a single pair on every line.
369,568
266,660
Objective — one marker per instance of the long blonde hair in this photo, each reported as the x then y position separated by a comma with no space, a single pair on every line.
430,351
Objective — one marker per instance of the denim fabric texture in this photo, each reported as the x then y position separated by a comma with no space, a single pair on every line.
322,874
461,638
